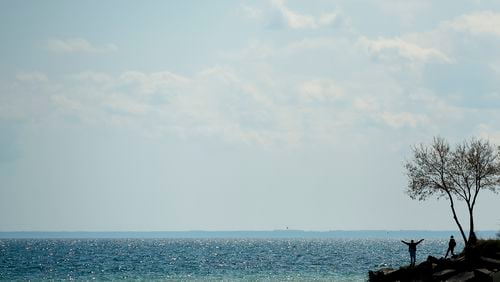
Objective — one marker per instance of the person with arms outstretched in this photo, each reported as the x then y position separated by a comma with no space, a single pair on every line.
412,248
451,247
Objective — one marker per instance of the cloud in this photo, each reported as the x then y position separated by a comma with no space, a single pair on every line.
398,120
93,77
314,89
67,103
154,83
255,50
320,90
441,108
313,44
296,20
489,132
215,102
24,99
400,111
328,19
250,12
407,11
391,48
31,77
77,45
219,102
485,22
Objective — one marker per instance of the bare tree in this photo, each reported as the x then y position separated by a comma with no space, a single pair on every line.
458,174
428,174
474,168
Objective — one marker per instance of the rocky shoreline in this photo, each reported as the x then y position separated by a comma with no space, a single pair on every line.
458,268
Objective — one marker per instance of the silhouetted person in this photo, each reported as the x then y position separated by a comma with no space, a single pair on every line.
412,248
451,247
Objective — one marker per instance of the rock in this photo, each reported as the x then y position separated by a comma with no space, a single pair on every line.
483,274
495,277
490,262
443,274
457,258
432,259
458,263
460,277
479,264
380,275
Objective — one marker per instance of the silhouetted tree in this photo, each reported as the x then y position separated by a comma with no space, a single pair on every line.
459,174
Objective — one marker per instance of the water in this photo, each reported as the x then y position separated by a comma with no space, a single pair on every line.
326,259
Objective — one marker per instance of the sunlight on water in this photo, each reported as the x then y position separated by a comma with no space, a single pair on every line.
204,259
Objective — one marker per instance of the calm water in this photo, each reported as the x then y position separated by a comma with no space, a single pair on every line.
204,259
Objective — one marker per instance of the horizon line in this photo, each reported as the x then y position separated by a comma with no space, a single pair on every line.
353,234
242,230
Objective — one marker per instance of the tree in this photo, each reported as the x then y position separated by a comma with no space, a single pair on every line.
458,174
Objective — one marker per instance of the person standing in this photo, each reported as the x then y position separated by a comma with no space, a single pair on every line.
451,247
412,248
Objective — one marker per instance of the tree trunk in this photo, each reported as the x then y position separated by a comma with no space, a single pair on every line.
472,235
452,205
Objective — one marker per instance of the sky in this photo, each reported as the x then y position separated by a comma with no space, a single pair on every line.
238,115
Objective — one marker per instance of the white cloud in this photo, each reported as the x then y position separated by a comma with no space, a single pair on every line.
314,89
407,11
400,111
328,18
250,12
219,102
495,66
215,102
398,120
93,77
78,45
390,48
296,20
441,108
25,99
66,103
485,22
32,77
365,104
293,19
218,72
127,106
313,44
320,90
488,132
255,50
149,84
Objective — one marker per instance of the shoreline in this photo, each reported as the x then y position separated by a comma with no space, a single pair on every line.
480,262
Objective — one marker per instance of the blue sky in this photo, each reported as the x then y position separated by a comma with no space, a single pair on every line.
237,115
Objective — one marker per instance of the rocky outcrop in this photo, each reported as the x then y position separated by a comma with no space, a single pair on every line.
433,269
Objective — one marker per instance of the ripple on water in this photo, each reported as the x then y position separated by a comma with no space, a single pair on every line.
200,259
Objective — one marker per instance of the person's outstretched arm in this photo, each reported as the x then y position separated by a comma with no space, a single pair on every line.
420,241
405,242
